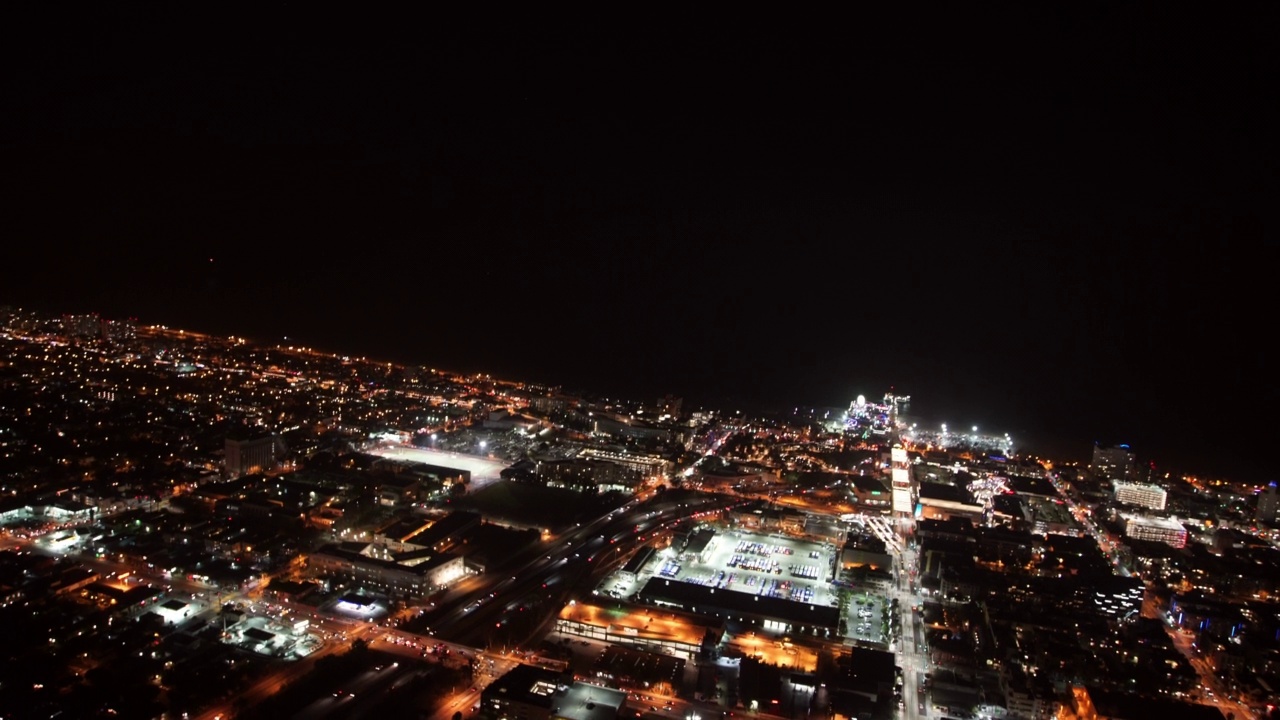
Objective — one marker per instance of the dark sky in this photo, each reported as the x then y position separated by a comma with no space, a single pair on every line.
1052,221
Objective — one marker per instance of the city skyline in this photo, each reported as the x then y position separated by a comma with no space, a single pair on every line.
204,526
1053,232
92,326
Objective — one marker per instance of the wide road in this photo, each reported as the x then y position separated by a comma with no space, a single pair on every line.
913,654
561,567
1212,691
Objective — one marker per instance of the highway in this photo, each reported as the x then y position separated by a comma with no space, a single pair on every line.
557,569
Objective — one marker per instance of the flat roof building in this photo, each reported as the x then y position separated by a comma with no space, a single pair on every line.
1146,527
528,692
412,574
1144,495
772,613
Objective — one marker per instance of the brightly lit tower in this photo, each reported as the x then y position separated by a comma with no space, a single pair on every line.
900,472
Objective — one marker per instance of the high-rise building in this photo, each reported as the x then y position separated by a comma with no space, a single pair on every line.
900,473
1269,504
248,455
119,330
80,326
1113,461
1148,496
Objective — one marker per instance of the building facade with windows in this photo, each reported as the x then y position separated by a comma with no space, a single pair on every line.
1152,497
243,456
1145,527
1269,504
1113,461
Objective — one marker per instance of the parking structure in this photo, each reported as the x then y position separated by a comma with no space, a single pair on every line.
755,564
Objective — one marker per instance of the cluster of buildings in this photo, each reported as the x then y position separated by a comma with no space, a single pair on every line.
1040,584
216,465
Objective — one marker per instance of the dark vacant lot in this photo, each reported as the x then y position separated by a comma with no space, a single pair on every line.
535,506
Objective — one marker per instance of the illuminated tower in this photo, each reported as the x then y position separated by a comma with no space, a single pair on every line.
1113,461
1269,504
903,495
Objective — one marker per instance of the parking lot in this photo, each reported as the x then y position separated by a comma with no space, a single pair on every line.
866,617
756,564
761,564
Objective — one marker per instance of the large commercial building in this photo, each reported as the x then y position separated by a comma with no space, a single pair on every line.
416,573
1141,494
864,549
529,692
625,426
772,614
586,474
903,502
243,456
1145,527
1269,504
1113,461
943,501
648,466
679,635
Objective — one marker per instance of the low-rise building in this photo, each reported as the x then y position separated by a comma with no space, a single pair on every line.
864,549
528,692
415,573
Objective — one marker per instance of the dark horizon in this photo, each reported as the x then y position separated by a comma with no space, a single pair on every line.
1050,222
1032,433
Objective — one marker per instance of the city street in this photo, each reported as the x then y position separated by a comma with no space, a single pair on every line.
913,655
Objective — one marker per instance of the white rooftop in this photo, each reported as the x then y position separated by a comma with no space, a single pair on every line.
479,467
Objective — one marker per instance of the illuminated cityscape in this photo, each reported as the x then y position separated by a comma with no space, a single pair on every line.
199,526
908,363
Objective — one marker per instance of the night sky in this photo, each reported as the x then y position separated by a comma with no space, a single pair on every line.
1047,221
